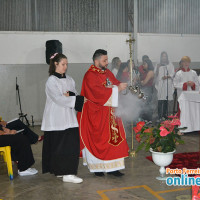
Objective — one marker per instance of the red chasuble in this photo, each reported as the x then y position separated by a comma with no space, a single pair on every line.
101,132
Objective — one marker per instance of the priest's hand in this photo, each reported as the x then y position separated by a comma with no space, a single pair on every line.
122,86
109,86
85,99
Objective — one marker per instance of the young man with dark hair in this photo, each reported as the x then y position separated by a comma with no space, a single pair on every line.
102,136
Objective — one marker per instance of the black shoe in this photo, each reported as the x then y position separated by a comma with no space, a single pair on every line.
116,173
99,173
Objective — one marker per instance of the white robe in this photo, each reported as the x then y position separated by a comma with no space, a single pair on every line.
115,71
96,165
59,112
161,85
181,77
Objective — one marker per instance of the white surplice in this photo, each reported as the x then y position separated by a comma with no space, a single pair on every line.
161,85
59,112
182,77
115,71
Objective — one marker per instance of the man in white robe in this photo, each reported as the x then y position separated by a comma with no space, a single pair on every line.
185,79
164,72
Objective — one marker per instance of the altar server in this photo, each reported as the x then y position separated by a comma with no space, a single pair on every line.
61,148
186,79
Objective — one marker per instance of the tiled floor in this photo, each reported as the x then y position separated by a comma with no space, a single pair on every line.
139,182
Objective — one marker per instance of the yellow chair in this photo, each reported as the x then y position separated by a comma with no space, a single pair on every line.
7,158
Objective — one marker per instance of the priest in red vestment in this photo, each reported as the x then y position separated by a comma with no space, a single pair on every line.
102,135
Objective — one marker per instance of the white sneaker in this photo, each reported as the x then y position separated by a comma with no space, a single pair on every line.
60,176
28,172
72,179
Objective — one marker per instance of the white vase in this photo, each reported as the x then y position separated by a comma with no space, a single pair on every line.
162,160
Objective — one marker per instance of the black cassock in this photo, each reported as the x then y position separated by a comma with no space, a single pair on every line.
61,149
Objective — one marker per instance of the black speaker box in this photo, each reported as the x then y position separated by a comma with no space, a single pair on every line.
52,46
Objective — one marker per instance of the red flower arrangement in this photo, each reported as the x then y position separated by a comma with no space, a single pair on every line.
161,138
139,126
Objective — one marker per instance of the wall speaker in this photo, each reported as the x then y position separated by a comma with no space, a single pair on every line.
52,46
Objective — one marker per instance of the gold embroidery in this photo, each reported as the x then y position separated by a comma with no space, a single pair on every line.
95,69
115,136
107,166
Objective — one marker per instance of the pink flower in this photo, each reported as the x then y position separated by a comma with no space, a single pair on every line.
176,122
168,124
163,131
173,116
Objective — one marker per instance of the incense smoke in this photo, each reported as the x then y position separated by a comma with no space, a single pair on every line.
129,107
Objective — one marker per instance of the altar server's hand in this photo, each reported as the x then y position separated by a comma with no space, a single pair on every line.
66,94
85,99
122,86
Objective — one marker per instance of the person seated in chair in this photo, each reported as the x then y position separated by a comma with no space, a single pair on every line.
20,127
21,151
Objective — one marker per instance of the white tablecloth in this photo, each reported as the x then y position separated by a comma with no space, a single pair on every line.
189,103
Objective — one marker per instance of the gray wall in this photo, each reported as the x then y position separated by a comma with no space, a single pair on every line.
31,80
64,15
169,16
154,16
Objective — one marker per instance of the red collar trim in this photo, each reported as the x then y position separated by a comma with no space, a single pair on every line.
184,70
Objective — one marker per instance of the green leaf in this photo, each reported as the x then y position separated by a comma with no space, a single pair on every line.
140,147
182,128
147,147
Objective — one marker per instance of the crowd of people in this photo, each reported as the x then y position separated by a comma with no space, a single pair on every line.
160,81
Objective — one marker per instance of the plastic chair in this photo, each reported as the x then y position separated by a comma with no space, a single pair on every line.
7,158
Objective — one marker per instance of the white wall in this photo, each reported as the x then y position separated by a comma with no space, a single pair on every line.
29,47
176,46
22,55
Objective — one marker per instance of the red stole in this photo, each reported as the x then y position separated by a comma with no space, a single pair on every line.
185,86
